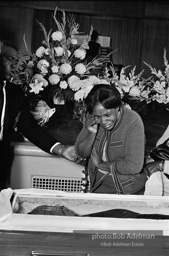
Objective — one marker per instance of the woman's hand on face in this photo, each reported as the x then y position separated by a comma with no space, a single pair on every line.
91,123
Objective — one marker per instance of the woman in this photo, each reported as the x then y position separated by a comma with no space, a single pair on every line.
113,141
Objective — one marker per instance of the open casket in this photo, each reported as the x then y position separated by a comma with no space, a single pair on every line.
73,227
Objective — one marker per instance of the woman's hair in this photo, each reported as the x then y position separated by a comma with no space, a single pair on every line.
105,94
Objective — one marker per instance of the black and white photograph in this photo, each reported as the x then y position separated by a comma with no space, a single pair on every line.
84,135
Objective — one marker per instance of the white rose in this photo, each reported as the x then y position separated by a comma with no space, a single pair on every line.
86,83
76,85
42,64
80,68
65,68
80,54
72,79
30,64
59,51
134,91
54,69
63,85
94,80
44,71
54,79
40,51
74,41
57,36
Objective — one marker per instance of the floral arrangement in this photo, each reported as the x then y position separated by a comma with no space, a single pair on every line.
58,72
159,84
140,93
131,87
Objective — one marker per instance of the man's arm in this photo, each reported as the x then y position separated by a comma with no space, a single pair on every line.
66,151
28,126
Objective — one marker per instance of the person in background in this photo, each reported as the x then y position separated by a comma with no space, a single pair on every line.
12,103
158,181
94,47
113,142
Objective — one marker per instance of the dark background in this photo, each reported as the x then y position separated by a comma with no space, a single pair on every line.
139,30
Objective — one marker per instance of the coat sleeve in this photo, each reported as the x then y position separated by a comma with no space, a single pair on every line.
134,150
81,136
28,126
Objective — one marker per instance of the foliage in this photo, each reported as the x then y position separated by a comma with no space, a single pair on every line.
144,94
58,66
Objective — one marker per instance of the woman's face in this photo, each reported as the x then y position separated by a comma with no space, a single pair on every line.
107,118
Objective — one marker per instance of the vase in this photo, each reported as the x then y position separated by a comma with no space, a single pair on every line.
58,101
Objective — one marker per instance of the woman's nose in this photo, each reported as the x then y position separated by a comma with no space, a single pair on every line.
104,120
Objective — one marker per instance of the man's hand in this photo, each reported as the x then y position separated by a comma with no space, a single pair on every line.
153,167
68,152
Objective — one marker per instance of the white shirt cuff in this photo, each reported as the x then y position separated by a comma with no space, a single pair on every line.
166,166
57,143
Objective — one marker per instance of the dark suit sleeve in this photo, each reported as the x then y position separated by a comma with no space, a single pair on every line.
28,126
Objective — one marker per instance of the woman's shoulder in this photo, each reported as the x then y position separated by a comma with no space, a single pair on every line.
132,115
131,112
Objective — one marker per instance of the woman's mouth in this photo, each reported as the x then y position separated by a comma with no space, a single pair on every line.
108,124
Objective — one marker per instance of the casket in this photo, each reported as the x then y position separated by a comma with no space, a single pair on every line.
34,168
74,229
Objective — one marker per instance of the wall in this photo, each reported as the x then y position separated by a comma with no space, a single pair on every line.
139,30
